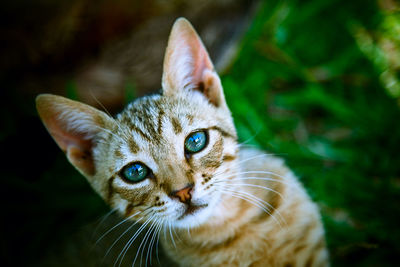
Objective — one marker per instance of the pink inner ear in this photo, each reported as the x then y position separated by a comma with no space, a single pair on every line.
82,159
211,88
187,65
76,145
65,136
201,61
73,126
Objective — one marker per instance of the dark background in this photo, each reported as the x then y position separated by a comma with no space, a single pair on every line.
315,82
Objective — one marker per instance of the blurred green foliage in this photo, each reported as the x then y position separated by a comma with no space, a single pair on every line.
308,87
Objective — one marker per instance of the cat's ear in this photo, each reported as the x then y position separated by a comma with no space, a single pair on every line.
74,126
187,65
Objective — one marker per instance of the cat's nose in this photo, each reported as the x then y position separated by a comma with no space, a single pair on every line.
184,194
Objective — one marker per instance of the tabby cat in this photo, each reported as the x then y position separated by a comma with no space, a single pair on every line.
171,161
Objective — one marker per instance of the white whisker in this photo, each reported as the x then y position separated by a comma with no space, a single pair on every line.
108,113
142,245
120,236
256,186
230,175
250,200
259,200
131,240
170,233
103,219
152,241
252,137
177,236
115,226
188,231
223,180
110,132
262,179
162,227
240,162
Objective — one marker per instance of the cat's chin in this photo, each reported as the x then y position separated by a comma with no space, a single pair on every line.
197,214
192,210
193,216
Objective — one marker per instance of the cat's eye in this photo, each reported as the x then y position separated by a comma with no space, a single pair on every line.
135,172
195,142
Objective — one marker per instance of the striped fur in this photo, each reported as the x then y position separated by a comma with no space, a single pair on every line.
246,208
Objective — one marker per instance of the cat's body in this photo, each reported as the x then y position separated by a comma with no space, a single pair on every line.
172,162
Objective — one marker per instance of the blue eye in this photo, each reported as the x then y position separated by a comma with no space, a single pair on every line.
135,172
195,142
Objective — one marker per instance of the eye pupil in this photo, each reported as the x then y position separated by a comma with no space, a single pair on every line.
135,172
195,142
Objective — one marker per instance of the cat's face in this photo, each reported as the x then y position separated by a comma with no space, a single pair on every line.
164,156
159,159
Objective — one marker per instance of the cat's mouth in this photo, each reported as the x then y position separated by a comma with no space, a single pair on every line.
192,209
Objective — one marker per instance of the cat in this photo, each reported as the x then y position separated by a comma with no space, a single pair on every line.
172,162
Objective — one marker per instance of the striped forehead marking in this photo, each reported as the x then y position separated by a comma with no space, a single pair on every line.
176,125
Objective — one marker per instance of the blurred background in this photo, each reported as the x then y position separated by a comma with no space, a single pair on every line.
315,82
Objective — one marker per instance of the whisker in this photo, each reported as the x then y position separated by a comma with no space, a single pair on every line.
262,178
103,219
170,233
188,231
165,230
110,132
142,245
257,148
256,186
222,180
243,144
252,201
252,137
149,247
162,227
108,113
101,104
218,175
152,241
130,241
259,200
255,157
115,242
115,226
263,172
177,236
246,198
240,162
232,174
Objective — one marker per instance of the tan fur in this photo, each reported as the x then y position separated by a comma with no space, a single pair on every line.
244,235
244,208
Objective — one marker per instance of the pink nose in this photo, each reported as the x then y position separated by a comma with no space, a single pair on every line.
184,194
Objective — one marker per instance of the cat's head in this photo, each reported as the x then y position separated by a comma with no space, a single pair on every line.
160,157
